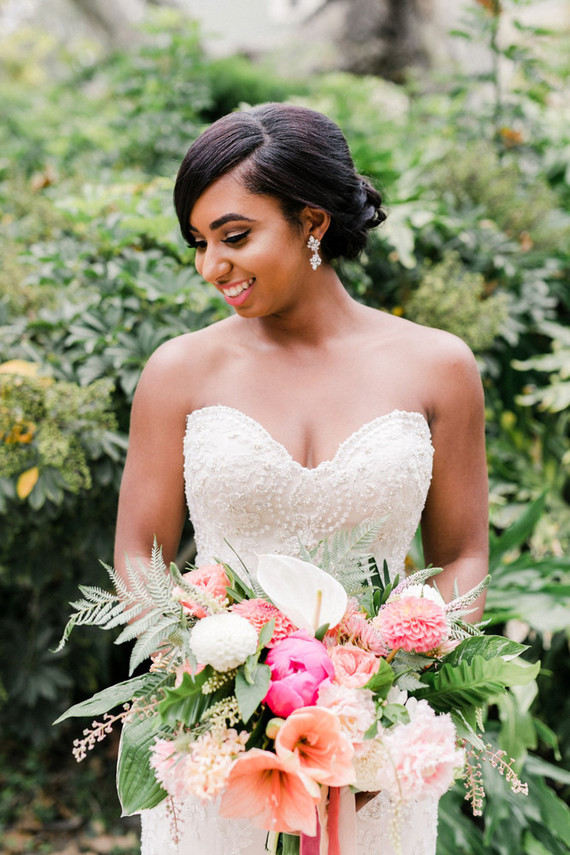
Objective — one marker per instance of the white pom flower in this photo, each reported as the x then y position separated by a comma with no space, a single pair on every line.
223,641
425,591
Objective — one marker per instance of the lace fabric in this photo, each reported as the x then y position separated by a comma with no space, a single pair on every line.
246,496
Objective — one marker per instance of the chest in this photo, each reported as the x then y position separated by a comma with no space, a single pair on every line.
312,406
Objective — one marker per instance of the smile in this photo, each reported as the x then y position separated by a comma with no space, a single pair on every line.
239,288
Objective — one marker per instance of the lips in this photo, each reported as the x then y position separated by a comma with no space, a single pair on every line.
236,293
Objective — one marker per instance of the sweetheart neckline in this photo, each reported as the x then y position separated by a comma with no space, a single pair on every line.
324,463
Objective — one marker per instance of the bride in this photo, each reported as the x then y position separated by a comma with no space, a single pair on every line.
302,413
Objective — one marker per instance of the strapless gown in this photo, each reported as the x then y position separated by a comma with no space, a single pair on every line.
246,493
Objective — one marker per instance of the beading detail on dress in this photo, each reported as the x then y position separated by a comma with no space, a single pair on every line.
247,495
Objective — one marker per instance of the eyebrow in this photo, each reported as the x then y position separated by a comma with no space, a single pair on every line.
225,218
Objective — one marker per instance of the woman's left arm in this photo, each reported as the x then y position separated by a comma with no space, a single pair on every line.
455,527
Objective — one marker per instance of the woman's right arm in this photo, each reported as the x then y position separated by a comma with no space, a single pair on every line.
151,499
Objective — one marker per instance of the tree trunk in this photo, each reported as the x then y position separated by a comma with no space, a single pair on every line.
386,37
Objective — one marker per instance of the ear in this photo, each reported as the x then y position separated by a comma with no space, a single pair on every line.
315,222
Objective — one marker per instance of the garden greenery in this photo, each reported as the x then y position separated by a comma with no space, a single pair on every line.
94,276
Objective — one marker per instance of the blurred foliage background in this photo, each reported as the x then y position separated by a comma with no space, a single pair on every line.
93,276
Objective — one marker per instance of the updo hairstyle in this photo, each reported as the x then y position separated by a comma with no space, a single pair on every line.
294,154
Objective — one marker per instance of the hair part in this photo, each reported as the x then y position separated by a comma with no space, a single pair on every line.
298,156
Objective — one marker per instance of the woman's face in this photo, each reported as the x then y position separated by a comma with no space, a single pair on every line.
247,249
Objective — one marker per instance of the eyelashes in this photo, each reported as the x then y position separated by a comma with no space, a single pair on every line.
237,238
231,239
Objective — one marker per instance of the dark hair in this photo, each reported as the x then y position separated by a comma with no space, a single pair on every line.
295,154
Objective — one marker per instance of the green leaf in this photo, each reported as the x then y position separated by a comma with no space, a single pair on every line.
251,688
137,786
106,700
187,704
382,680
321,631
516,534
486,646
265,634
469,685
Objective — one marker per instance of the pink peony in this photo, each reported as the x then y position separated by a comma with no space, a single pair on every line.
299,664
412,623
314,737
259,612
353,666
212,578
271,792
422,757
354,708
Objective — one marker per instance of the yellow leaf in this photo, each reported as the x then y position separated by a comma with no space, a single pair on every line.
27,481
19,366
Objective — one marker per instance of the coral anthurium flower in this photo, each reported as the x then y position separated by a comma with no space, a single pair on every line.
271,792
323,599
314,736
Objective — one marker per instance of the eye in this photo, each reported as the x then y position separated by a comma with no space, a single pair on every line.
199,245
237,238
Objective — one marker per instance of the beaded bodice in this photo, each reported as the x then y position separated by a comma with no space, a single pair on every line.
246,493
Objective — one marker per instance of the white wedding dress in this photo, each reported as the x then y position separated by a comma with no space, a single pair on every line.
245,490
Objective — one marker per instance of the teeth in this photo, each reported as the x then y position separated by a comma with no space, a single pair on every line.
236,290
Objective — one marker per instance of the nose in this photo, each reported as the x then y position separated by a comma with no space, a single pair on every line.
212,264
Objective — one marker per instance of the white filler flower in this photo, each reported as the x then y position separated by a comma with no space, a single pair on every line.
223,641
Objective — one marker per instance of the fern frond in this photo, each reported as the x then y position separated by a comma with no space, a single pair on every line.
139,626
199,595
149,642
358,541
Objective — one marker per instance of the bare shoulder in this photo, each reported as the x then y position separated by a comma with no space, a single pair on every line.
437,362
178,369
450,373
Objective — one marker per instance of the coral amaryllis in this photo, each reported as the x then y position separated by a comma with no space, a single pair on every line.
313,735
271,793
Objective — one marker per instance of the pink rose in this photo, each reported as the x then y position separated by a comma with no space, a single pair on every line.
353,666
212,578
299,664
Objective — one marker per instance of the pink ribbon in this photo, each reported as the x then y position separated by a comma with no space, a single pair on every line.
336,826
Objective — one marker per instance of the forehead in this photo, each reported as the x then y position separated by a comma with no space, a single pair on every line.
229,195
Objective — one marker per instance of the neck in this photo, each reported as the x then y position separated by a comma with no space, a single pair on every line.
324,311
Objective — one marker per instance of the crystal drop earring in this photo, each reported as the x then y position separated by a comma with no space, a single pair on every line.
314,243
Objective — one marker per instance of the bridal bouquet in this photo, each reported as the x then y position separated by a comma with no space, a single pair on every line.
270,691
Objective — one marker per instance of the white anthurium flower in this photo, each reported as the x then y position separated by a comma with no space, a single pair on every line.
307,595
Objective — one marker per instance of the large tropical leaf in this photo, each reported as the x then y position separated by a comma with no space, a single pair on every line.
137,786
187,703
107,699
470,685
